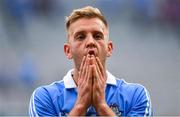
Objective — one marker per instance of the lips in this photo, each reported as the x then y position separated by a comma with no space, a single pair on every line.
92,52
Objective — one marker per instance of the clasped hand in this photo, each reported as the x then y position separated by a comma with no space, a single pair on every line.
91,83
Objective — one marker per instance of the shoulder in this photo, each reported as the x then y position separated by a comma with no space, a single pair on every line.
56,87
137,96
129,87
132,91
48,93
43,99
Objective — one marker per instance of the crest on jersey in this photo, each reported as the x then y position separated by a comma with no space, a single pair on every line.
115,109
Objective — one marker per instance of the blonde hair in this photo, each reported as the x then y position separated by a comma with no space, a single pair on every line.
85,12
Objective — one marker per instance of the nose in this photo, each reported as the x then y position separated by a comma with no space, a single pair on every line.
90,42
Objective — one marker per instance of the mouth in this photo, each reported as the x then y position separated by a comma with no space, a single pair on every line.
91,53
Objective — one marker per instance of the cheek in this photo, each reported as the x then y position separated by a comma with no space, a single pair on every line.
77,49
103,48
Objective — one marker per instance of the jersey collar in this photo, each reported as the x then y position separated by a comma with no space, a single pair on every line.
69,82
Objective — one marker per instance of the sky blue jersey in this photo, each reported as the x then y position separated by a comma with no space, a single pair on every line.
58,99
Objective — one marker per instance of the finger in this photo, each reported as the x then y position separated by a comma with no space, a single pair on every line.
95,79
82,64
99,64
99,74
90,75
103,71
97,67
82,71
86,69
89,80
98,77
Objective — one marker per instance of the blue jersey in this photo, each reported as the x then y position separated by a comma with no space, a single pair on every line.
58,99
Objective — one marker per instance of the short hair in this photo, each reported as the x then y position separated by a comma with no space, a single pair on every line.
85,12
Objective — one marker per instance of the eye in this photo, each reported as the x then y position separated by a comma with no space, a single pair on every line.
80,37
98,36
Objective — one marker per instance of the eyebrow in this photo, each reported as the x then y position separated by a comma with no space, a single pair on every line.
95,31
99,32
78,32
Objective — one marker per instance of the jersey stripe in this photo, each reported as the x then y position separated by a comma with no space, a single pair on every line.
148,107
31,113
33,107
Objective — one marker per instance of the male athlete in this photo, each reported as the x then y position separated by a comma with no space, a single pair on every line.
89,89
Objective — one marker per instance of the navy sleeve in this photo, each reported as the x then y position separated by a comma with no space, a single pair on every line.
141,103
41,104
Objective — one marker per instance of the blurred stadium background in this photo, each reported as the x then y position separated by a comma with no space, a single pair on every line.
146,35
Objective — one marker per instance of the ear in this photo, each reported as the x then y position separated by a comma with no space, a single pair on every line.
67,50
110,48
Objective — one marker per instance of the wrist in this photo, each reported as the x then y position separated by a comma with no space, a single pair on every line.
100,107
104,110
78,110
81,108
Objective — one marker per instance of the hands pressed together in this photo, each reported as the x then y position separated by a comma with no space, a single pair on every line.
91,87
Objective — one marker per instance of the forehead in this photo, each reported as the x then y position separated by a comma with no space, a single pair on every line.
84,24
